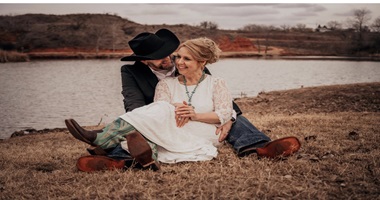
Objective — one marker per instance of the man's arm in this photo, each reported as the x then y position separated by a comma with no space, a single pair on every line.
236,108
133,96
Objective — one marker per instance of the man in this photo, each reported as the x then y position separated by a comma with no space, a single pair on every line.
151,53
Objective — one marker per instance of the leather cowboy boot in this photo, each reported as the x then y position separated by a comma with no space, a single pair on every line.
80,133
282,147
99,163
84,130
86,136
95,163
140,150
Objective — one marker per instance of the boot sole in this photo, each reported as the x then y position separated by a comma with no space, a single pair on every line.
98,163
282,147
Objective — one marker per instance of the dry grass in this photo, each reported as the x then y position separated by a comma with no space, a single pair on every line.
339,159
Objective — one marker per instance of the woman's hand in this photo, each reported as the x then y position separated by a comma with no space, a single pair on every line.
183,113
223,131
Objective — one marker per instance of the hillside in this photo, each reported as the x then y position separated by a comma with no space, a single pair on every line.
105,36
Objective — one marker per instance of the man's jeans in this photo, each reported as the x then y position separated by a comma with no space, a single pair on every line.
244,134
119,153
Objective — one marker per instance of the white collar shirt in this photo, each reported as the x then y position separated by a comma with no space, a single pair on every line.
161,74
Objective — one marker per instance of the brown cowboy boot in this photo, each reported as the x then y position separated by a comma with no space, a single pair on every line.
99,163
95,163
80,133
282,147
85,136
140,150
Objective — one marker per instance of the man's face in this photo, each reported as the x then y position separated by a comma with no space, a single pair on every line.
162,64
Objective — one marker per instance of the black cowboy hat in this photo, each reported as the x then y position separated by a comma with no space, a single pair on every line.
149,46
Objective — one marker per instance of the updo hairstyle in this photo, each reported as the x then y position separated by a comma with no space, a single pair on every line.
203,49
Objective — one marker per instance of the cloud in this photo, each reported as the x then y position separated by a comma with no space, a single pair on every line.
344,14
226,15
294,5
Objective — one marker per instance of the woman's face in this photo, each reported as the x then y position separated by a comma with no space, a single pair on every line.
185,62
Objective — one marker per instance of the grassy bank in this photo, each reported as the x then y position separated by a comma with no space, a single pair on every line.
67,53
338,127
272,54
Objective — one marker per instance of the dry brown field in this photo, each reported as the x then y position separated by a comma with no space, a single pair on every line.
338,127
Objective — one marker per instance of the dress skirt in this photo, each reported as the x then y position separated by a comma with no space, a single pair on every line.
195,141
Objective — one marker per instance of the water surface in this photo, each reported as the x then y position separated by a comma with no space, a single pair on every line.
41,94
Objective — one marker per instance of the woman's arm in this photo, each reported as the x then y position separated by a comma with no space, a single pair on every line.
162,92
222,101
210,118
222,106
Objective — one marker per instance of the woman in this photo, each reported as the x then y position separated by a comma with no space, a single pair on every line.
183,118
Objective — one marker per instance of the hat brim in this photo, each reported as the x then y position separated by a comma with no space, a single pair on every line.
171,43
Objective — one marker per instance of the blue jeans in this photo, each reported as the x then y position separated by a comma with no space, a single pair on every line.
119,153
244,134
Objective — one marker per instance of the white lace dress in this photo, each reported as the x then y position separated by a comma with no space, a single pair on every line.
196,141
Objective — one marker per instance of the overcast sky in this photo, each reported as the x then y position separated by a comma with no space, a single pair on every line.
227,16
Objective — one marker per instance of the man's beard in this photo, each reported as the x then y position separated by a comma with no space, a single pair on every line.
162,66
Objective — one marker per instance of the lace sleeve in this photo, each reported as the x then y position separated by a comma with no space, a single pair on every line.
222,100
162,92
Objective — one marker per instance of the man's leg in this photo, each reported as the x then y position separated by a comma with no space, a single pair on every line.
244,135
118,131
113,134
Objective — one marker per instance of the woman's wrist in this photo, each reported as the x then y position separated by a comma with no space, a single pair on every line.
195,117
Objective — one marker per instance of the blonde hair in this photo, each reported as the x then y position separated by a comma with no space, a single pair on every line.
203,49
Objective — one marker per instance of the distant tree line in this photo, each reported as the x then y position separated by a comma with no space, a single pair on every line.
38,31
97,32
357,32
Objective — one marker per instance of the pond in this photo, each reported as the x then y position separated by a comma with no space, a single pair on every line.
41,94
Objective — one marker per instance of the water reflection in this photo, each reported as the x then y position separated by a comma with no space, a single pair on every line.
253,76
42,94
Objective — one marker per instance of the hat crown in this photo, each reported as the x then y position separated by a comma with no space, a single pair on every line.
149,46
145,44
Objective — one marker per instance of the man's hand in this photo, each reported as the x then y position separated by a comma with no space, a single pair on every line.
223,131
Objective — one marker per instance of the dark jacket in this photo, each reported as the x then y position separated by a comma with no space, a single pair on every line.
139,83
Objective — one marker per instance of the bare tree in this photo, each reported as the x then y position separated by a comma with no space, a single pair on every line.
300,28
269,30
376,25
114,28
98,31
360,19
259,28
208,25
253,28
334,25
359,22
285,28
267,42
258,45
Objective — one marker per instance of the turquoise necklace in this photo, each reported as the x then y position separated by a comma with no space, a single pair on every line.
192,93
